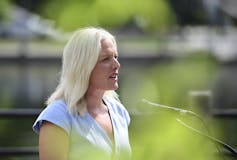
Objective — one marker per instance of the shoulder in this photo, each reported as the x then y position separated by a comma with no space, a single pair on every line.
56,113
57,106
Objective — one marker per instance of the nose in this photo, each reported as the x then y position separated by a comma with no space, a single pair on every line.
116,64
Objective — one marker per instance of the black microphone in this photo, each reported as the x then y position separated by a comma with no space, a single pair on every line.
191,113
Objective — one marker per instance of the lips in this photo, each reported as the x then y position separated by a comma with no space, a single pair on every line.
114,76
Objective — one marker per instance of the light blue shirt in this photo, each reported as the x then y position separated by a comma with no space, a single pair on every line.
88,140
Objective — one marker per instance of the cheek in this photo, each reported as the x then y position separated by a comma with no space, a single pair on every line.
99,69
99,72
103,68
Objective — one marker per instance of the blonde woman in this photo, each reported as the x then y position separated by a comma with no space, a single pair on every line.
84,118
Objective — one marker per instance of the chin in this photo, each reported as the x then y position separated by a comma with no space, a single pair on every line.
115,87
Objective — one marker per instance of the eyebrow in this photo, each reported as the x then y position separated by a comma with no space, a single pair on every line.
115,52
106,55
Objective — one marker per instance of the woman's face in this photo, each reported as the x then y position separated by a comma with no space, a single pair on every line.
105,73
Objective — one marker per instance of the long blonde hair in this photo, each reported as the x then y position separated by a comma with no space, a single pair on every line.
80,56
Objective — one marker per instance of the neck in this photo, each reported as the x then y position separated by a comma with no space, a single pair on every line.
94,99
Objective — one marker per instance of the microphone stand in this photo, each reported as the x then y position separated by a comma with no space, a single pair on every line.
191,113
221,143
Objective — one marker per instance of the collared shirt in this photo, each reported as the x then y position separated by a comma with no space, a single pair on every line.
88,140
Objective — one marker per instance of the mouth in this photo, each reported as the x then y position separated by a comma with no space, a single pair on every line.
114,76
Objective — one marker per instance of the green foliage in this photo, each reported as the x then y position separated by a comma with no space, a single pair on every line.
112,13
173,80
151,15
159,136
154,14
156,134
4,6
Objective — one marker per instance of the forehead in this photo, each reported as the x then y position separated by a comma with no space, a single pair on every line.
107,44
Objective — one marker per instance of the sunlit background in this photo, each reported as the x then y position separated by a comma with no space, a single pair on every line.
178,53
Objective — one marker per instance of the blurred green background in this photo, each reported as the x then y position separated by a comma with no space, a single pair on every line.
177,53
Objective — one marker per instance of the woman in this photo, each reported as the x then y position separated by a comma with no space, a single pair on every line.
84,118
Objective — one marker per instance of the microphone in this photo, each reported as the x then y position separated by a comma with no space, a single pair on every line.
175,109
178,110
191,113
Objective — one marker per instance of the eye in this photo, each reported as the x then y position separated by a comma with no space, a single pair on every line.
105,59
116,56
